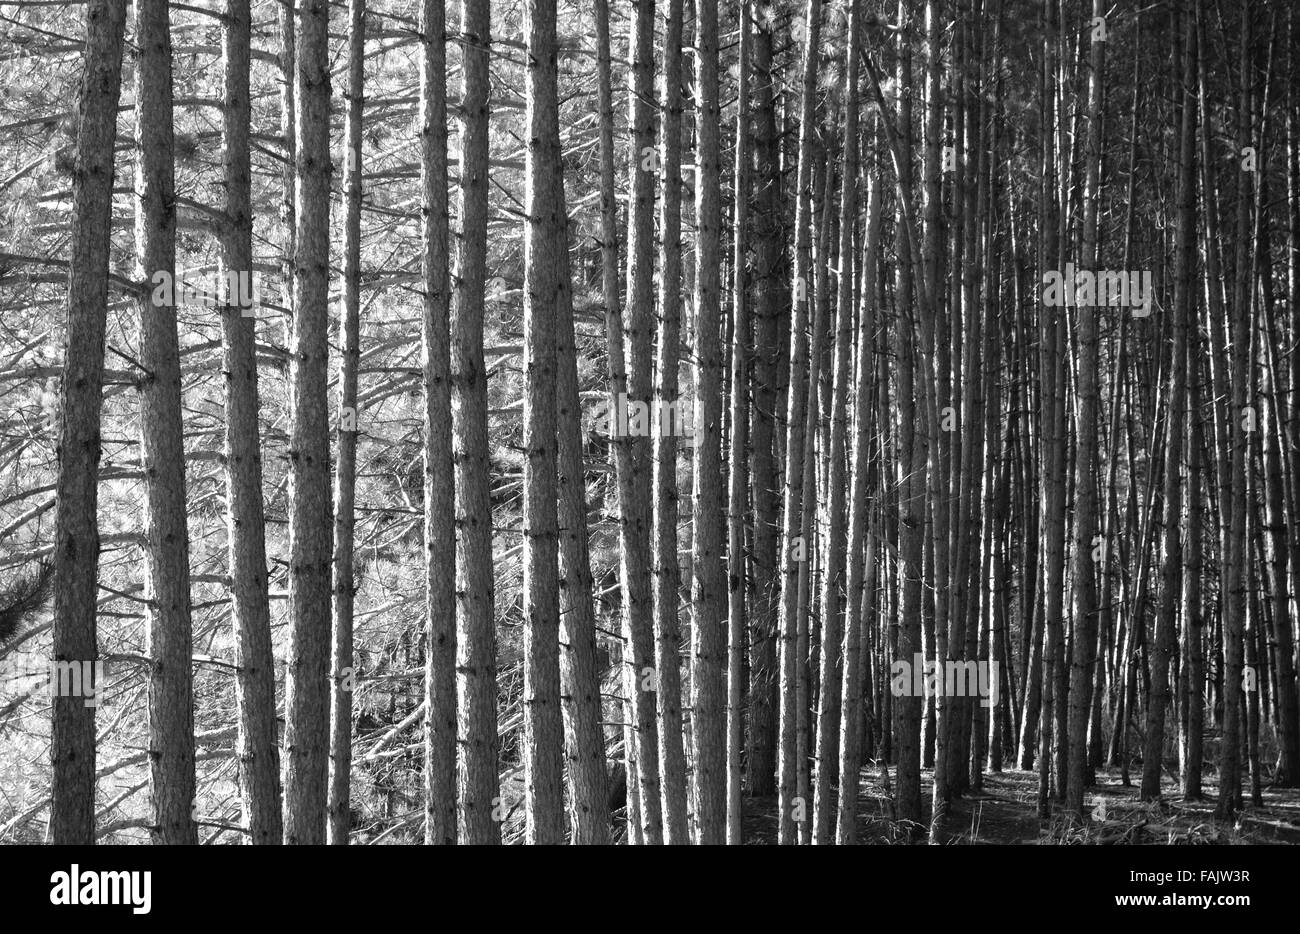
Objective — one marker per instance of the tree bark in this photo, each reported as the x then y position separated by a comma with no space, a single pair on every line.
477,778
306,735
708,594
342,674
162,449
259,754
664,425
76,530
440,727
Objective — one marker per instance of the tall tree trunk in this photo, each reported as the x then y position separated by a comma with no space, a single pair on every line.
1183,312
580,682
708,594
760,740
634,473
1193,613
635,705
1087,524
545,252
306,734
477,779
793,546
76,530
667,572
162,450
1237,579
861,593
832,596
439,476
259,754
342,675
737,469
1052,427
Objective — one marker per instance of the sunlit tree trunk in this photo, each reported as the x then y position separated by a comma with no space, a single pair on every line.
259,754
477,779
342,676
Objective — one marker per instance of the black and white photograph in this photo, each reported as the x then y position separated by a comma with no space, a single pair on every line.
651,422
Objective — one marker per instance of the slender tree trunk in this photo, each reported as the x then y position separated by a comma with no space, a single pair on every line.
477,779
439,478
162,452
1052,427
1193,614
635,704
342,676
1237,579
76,531
259,754
760,740
667,572
832,598
1087,524
1153,753
708,595
794,547
634,473
861,593
545,252
580,681
737,469
306,735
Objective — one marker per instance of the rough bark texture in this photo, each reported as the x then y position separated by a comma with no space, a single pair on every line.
737,468
257,740
794,548
439,478
162,449
306,734
634,475
664,426
76,535
545,251
765,473
477,780
342,675
709,633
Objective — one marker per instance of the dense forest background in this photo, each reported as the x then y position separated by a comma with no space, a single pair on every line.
548,420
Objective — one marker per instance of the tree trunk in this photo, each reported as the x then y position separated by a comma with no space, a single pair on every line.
1153,753
634,476
306,734
342,676
439,479
794,548
862,532
76,531
737,469
545,253
760,740
259,754
832,597
708,594
1237,579
667,573
1087,524
477,779
162,451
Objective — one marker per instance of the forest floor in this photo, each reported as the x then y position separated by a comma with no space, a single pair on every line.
1006,811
